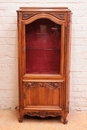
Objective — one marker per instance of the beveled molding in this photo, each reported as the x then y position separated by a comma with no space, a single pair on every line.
51,85
26,16
43,114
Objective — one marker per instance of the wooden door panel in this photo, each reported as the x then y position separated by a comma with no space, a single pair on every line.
43,94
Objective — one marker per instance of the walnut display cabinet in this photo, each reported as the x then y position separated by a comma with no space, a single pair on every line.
43,61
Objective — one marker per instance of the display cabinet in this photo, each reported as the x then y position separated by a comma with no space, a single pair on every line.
43,61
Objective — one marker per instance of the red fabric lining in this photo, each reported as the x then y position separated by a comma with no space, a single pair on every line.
43,47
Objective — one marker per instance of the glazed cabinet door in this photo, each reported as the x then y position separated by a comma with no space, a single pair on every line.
42,49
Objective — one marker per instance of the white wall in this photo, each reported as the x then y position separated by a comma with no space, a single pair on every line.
8,50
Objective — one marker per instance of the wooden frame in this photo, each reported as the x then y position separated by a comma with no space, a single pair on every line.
56,85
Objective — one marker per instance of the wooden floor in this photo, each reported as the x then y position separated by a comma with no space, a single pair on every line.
9,121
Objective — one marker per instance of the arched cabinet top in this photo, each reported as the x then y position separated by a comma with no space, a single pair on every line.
58,15
29,18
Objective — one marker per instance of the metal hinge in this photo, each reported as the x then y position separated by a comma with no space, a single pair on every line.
64,91
24,95
65,42
22,49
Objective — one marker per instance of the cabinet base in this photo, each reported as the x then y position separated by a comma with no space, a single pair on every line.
20,120
64,121
44,114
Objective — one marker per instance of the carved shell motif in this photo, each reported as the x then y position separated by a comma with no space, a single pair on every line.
51,85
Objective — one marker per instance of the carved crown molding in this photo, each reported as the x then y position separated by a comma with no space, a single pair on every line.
26,16
51,85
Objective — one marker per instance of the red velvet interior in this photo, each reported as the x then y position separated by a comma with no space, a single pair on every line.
43,43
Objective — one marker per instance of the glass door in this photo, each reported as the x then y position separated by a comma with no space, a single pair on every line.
43,47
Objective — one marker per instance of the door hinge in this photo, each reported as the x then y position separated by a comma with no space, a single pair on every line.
24,95
22,49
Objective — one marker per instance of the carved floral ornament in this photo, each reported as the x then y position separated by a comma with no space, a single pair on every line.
60,16
51,85
43,114
26,16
